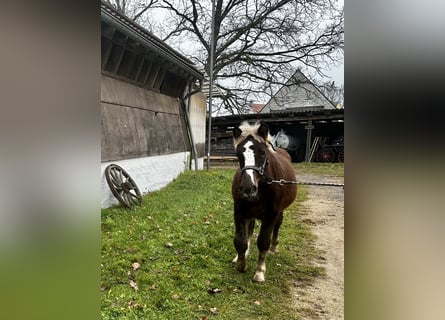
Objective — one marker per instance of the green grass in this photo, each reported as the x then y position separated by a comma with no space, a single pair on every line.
326,169
182,237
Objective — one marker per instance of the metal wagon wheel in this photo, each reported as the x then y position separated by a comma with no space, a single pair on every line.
341,155
325,155
338,144
123,186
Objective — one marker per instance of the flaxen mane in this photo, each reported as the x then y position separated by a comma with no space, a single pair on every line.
252,129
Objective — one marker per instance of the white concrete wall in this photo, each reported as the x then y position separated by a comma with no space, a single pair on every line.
149,173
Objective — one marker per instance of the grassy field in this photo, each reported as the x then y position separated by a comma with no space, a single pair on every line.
171,257
325,169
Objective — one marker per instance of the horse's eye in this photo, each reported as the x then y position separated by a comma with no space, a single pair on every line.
252,148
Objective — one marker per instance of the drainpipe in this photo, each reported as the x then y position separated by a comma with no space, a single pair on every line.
187,121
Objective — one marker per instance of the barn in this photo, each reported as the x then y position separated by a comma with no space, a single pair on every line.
153,113
301,119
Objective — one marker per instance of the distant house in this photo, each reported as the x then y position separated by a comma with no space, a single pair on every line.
257,107
301,119
298,93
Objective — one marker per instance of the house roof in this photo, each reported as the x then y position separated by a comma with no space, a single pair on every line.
257,107
137,33
298,92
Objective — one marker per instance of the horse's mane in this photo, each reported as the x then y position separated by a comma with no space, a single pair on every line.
252,129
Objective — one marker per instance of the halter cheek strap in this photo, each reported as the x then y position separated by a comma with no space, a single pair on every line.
260,170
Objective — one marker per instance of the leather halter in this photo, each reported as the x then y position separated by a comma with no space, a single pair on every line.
260,170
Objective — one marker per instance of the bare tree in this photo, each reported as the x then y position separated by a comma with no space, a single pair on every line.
135,10
333,92
258,43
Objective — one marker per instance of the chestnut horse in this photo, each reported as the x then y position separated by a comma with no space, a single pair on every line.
254,194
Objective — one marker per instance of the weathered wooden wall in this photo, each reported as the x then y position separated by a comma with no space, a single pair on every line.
197,114
137,122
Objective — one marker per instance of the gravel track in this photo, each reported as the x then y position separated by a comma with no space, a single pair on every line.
324,213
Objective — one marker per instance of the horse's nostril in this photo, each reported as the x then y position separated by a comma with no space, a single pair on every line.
253,189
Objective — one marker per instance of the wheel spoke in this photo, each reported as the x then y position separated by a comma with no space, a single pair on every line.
115,182
114,174
133,199
127,200
122,176
136,199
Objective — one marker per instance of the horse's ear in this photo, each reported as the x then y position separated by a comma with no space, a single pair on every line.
236,132
263,131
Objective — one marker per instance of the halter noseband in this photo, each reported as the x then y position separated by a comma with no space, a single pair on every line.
260,170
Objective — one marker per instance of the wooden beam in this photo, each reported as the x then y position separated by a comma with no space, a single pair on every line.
153,78
108,45
159,77
139,69
119,60
147,73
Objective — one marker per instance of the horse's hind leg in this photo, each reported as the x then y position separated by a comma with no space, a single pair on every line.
276,229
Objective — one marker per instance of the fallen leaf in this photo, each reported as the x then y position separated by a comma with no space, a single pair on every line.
135,266
258,303
213,310
169,244
134,285
214,291
203,318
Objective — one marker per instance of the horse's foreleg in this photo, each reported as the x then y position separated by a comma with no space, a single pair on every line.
263,244
276,229
241,242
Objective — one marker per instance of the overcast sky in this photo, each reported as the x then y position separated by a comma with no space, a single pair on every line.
337,74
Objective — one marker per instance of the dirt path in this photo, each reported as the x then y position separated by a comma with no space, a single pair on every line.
324,212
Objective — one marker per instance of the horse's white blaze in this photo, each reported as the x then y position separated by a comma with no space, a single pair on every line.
249,159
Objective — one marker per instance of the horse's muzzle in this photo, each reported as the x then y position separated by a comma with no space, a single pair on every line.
248,192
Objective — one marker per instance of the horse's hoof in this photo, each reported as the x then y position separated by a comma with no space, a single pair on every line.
241,267
258,277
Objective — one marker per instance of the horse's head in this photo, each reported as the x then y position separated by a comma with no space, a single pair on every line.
251,144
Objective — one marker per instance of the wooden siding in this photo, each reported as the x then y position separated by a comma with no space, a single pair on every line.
197,114
137,122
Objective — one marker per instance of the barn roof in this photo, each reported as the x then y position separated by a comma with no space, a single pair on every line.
300,114
174,61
